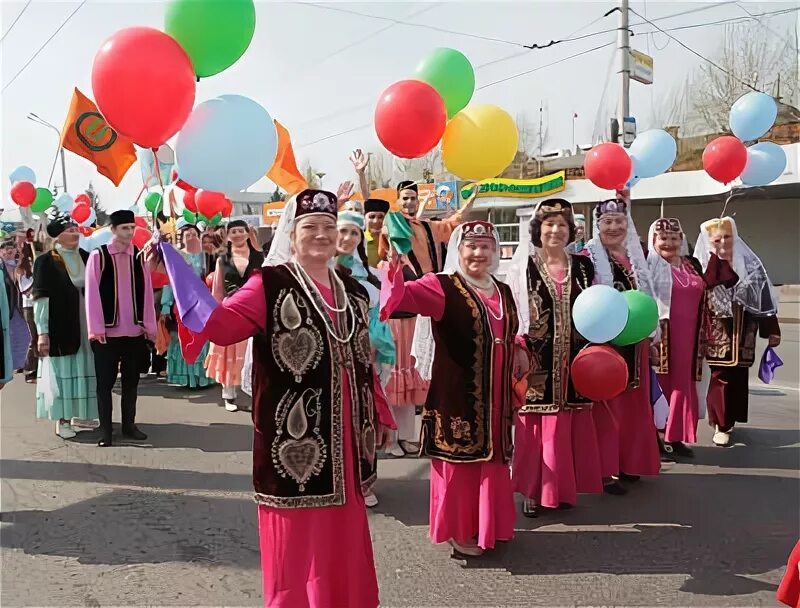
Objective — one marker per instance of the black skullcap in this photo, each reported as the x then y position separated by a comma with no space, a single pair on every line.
123,216
58,223
376,205
407,185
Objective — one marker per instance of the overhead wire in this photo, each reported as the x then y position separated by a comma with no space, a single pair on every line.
13,23
41,48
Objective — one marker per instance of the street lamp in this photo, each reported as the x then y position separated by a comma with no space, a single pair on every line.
38,120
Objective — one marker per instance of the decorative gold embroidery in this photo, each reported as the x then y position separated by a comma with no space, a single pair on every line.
296,349
290,315
299,457
460,428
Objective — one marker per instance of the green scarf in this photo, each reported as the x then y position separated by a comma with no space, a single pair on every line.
400,233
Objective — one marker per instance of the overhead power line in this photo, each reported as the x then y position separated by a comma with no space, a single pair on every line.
13,23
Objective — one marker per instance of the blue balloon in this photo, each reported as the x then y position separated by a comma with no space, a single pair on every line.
752,115
766,162
600,313
166,160
635,177
227,144
655,150
64,203
22,174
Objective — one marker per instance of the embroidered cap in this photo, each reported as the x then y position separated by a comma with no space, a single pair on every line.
58,222
316,201
668,225
718,222
554,205
612,205
477,230
407,185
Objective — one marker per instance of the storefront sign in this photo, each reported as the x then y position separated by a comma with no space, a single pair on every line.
518,188
271,213
446,196
642,67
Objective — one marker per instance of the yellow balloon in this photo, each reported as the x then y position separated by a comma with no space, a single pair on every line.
479,142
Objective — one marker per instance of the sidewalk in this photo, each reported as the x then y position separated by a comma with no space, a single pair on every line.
789,304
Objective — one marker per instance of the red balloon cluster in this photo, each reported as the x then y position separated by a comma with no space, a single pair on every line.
608,166
81,212
410,118
141,236
210,203
83,199
724,158
188,200
86,230
23,193
599,372
144,85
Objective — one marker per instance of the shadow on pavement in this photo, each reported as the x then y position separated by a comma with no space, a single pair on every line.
136,527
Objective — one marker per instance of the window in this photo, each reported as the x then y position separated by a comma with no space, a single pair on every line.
507,224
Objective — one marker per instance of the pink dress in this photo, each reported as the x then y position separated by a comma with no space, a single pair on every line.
468,500
303,562
679,385
556,456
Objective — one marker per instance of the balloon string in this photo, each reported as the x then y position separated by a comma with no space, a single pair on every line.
144,187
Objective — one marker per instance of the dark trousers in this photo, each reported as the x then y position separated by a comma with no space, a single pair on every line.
123,355
31,361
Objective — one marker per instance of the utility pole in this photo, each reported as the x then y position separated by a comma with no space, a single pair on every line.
624,52
541,111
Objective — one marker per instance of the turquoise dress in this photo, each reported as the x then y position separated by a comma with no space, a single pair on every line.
179,372
5,313
380,334
74,374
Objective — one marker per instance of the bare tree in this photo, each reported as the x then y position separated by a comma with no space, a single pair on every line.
380,169
750,56
94,203
311,174
533,135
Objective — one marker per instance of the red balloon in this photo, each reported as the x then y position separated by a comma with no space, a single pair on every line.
410,118
599,373
184,185
23,193
227,207
189,202
141,236
85,230
141,222
209,203
608,166
160,279
144,85
81,212
83,199
724,158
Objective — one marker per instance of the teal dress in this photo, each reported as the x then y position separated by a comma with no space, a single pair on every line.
73,374
179,372
7,371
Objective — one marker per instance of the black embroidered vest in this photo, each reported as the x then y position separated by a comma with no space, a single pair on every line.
233,280
108,287
552,339
457,417
298,451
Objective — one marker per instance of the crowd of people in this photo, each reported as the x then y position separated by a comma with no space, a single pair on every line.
356,317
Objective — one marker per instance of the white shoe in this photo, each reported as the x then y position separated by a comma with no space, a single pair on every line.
231,406
370,500
472,549
721,438
396,451
64,430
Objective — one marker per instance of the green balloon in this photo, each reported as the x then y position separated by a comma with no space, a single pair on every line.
214,221
642,318
451,74
214,33
153,202
189,216
43,200
202,218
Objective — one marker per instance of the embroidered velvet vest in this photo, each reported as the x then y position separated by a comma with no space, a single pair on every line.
625,280
233,280
457,417
298,451
552,339
108,287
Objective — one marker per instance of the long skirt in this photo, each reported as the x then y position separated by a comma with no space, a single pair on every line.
320,557
75,378
406,387
556,457
728,396
224,363
182,373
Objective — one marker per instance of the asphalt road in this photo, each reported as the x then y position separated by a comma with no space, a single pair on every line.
170,522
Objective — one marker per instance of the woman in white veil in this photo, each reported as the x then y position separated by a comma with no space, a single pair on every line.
742,303
466,421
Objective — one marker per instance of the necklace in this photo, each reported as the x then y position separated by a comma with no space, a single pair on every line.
336,284
486,285
490,286
677,272
502,308
308,285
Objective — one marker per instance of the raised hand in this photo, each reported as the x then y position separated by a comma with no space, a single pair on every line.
359,160
345,191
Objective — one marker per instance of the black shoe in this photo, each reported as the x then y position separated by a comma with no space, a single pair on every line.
615,489
628,478
133,433
681,449
105,441
529,509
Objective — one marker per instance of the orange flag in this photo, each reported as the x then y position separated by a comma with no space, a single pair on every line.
87,134
284,171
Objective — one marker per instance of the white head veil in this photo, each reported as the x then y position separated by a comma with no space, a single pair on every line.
661,271
422,346
599,256
280,249
754,291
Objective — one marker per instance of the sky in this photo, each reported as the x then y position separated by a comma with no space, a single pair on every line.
320,67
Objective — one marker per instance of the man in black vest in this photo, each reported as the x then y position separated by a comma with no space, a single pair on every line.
121,316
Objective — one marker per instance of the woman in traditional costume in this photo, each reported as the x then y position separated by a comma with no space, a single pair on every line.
742,303
352,256
6,368
66,356
679,291
314,407
467,418
20,335
179,371
556,455
625,428
224,363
